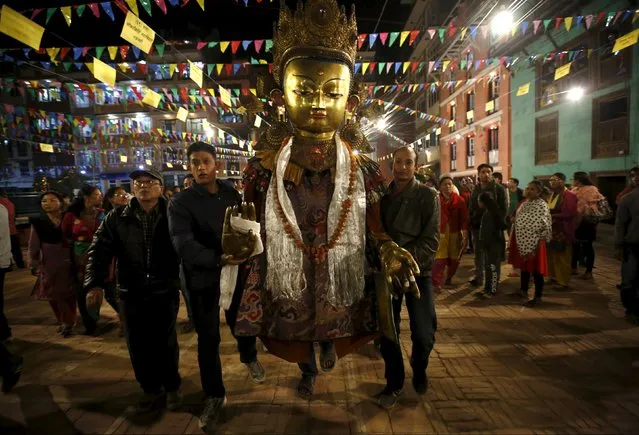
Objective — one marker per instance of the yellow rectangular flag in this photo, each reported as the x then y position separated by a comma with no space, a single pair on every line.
523,89
46,148
124,159
196,74
151,98
562,71
103,72
137,33
490,106
225,96
626,40
19,27
182,114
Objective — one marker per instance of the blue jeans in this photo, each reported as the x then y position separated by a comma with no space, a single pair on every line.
423,324
630,279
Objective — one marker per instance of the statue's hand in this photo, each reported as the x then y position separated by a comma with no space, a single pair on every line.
238,247
399,268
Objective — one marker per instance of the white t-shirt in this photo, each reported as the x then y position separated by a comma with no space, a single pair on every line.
6,258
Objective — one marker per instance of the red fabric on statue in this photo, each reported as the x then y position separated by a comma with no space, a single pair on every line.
533,263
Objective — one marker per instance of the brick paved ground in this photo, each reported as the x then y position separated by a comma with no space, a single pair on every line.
570,366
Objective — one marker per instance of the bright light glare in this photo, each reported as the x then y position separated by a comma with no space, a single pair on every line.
502,23
208,131
83,172
575,94
141,167
381,124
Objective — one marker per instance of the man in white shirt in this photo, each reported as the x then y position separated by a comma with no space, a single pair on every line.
10,366
6,259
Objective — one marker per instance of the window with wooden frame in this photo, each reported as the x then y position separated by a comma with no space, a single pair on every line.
453,156
612,67
453,117
547,139
610,125
470,107
493,145
550,91
470,151
492,101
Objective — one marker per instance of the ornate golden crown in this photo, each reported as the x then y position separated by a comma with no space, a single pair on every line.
320,29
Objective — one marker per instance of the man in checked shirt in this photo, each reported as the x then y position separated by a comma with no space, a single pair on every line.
137,235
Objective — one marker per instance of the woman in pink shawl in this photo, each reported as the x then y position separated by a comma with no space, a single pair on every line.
588,198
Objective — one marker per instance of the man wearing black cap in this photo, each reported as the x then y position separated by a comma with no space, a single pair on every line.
137,235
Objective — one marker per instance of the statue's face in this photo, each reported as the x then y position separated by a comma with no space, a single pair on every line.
315,95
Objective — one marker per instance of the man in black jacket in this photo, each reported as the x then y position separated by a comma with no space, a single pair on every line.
486,184
410,215
137,235
196,219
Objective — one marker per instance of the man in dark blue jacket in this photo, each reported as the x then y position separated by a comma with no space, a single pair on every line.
196,220
137,235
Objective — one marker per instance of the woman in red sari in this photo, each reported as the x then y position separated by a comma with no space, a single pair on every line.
78,226
453,230
530,233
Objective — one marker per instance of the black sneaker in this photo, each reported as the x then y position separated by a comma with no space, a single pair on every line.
256,370
11,378
533,302
150,402
212,408
388,398
420,382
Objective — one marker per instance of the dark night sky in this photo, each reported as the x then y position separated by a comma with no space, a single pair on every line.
222,19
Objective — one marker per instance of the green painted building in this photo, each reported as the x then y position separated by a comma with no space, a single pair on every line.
597,133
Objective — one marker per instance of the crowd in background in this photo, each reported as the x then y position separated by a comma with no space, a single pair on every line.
138,250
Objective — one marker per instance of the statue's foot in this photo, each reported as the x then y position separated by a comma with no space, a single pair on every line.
305,387
328,357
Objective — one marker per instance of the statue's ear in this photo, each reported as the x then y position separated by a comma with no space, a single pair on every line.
277,97
352,103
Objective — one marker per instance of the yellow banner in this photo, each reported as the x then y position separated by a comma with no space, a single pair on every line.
182,114
19,27
103,72
137,33
438,131
470,114
46,148
562,71
149,162
451,124
523,89
490,106
196,74
151,98
124,159
626,40
225,96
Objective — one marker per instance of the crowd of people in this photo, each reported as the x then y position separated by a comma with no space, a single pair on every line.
139,251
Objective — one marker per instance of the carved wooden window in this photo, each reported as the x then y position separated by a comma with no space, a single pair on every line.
547,139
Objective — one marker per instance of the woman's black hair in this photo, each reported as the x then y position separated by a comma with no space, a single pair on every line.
538,185
77,206
54,193
106,204
491,206
583,178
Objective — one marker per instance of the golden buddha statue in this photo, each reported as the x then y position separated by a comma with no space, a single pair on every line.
318,204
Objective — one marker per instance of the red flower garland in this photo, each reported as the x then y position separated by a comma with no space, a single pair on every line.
318,252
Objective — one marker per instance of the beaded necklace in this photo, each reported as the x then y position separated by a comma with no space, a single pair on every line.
318,252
